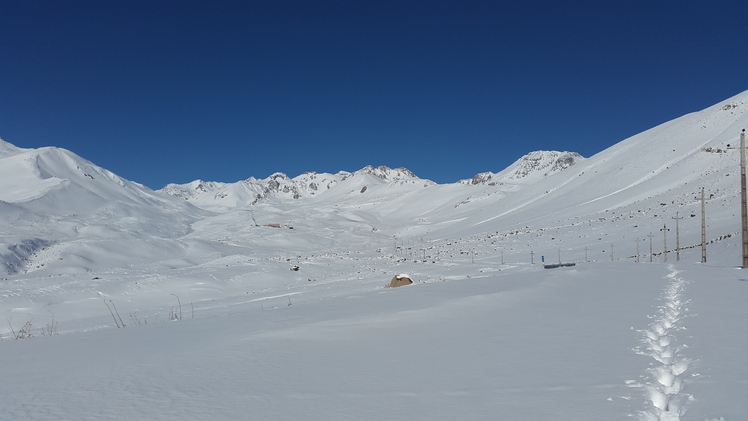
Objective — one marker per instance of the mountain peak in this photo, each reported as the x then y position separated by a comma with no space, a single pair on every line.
387,173
547,162
9,149
278,176
530,168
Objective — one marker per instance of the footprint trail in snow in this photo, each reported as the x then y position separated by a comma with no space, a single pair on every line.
665,379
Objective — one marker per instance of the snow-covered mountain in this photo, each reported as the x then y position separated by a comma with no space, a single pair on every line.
50,197
530,168
469,339
310,184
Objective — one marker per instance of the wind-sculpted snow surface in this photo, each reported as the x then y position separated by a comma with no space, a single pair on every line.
665,386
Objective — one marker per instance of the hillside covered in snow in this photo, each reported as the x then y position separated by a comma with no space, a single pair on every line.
267,297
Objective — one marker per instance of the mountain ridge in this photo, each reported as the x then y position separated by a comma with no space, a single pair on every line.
528,169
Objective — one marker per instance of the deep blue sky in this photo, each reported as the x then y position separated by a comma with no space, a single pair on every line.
172,91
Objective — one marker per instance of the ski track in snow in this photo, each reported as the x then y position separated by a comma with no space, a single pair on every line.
665,379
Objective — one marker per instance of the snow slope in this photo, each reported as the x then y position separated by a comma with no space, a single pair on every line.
143,306
51,199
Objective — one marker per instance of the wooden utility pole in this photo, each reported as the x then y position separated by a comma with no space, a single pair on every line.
664,236
677,238
532,257
586,259
703,229
611,252
637,250
743,206
650,246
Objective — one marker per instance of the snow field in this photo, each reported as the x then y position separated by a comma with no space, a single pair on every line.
538,344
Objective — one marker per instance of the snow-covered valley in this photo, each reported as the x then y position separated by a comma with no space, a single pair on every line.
267,299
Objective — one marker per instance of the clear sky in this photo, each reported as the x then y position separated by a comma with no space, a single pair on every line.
172,91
